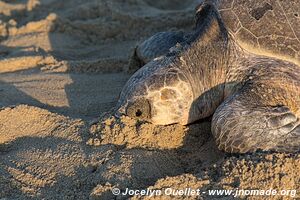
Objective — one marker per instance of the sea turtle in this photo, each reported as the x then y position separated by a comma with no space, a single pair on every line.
218,69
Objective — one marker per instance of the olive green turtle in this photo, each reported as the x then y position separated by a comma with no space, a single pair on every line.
239,65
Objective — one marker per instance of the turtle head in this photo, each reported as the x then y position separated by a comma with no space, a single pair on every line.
187,83
162,96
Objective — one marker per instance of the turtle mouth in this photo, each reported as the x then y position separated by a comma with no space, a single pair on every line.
139,109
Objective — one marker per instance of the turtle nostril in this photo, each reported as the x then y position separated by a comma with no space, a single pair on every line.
138,113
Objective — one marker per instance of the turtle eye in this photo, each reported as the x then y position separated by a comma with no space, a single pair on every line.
139,109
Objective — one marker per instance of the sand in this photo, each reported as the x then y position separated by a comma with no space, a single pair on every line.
62,66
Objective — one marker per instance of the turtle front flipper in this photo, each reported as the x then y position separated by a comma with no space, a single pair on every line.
153,47
242,123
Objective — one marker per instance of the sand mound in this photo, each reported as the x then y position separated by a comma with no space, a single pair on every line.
196,153
62,65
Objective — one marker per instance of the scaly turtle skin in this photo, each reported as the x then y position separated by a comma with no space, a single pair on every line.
254,99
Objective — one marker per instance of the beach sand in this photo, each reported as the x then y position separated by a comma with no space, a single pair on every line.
62,66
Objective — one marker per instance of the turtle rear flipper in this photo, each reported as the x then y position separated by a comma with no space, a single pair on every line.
243,123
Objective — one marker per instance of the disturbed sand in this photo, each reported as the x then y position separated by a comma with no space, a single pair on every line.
62,66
